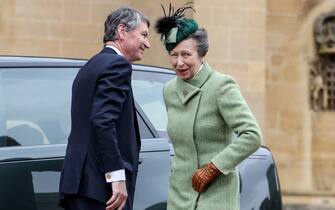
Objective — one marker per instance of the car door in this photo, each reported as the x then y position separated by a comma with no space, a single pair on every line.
35,110
154,170
35,124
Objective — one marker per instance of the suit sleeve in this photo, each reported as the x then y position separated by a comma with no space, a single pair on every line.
241,121
112,90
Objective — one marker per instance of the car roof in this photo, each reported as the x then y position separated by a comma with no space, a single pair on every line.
32,61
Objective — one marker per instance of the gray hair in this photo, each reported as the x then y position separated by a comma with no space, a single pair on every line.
201,37
128,16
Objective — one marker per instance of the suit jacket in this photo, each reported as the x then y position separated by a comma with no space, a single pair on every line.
208,120
104,133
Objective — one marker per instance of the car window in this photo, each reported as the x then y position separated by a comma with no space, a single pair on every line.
35,105
148,92
145,132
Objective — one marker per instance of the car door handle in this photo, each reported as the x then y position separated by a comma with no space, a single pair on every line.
140,161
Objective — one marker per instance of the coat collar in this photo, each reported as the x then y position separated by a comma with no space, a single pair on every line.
186,89
108,50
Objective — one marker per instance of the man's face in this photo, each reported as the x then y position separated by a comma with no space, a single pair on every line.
135,42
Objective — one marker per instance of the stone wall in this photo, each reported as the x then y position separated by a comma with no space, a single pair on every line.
63,28
52,28
301,139
237,36
287,124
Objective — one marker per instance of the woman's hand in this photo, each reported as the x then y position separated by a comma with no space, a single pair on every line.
203,176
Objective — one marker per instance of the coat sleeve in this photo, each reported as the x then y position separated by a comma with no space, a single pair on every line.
112,90
241,121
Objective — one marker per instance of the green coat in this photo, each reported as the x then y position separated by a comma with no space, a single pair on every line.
208,120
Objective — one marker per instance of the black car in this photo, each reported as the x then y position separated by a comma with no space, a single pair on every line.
35,96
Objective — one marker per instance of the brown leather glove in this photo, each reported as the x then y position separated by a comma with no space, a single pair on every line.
203,176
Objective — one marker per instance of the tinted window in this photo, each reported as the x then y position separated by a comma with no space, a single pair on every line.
144,130
148,92
35,105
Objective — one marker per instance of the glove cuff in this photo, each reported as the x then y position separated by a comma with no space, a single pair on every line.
213,169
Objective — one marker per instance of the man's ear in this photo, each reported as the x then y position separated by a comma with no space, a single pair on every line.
121,29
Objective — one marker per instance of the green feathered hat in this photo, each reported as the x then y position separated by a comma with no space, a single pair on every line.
174,27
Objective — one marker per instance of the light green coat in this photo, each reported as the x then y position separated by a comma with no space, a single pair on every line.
208,120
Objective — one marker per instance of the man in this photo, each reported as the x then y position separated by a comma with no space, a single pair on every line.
101,159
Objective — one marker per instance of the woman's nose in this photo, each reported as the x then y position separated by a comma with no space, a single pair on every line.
179,61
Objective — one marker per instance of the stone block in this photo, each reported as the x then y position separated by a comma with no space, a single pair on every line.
100,10
239,70
323,142
5,9
284,25
272,122
79,49
277,60
247,45
34,29
258,5
292,121
323,122
285,6
5,28
75,31
276,42
229,18
257,20
295,178
285,146
323,175
257,77
233,4
283,96
6,46
81,14
307,207
38,9
36,47
256,103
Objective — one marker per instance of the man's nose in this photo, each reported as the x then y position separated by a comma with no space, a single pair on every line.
147,43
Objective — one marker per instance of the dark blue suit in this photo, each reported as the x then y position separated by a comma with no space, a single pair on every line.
104,134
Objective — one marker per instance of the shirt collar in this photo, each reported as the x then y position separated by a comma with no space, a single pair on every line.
197,73
203,74
115,49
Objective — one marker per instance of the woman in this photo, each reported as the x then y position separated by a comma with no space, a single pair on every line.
209,123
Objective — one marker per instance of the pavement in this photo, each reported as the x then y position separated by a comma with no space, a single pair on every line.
306,207
293,202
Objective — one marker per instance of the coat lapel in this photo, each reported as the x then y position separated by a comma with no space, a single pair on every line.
186,90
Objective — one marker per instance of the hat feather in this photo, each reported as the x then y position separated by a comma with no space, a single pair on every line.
168,21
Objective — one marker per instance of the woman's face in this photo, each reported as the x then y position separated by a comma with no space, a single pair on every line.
185,59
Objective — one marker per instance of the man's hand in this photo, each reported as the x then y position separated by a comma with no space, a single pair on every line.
119,197
203,176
